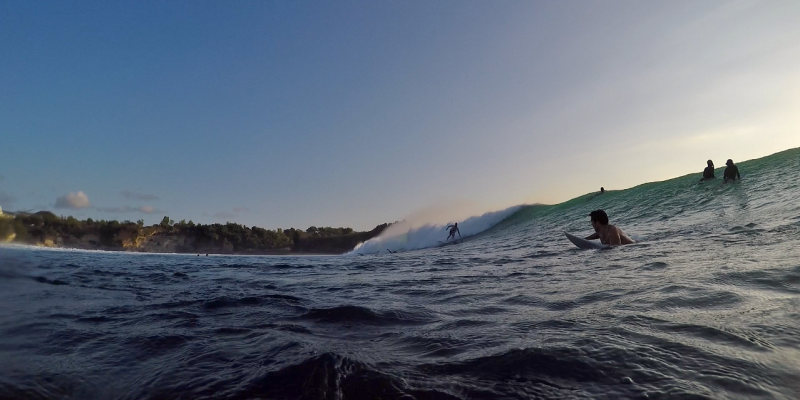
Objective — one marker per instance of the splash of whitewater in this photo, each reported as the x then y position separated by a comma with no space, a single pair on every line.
413,234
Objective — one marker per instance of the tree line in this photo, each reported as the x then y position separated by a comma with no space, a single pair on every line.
229,237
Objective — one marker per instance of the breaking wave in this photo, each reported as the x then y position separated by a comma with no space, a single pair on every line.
413,235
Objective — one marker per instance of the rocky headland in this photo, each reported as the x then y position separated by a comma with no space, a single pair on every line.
47,229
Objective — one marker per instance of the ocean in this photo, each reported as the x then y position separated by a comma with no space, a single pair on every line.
706,306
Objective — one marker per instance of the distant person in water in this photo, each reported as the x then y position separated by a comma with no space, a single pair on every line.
453,230
608,234
708,173
602,190
731,172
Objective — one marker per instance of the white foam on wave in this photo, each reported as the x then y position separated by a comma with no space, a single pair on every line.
420,232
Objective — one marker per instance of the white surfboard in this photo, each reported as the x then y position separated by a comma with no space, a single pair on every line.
586,244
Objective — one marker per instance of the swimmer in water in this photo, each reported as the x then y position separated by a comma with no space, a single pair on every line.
708,173
608,234
453,230
731,172
602,191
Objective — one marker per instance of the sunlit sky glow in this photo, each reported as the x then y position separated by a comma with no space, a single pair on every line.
282,114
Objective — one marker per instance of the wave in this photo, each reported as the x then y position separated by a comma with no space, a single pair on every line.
357,314
414,235
643,208
332,376
20,246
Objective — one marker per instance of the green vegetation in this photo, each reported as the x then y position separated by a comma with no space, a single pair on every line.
45,228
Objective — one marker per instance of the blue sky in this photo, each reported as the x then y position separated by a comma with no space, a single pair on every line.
282,114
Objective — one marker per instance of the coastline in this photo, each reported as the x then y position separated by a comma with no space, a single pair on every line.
44,229
41,246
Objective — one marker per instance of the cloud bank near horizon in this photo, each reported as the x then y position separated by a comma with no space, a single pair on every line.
80,201
73,200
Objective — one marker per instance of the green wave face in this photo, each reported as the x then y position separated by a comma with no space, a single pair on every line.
767,196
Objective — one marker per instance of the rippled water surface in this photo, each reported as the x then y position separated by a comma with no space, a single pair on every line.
706,306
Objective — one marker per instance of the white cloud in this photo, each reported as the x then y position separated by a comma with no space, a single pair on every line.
74,201
148,209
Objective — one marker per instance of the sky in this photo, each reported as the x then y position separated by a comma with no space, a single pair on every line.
354,113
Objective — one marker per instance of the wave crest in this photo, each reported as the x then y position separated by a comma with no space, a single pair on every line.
414,235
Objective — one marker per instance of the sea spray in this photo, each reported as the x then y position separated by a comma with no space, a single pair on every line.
416,233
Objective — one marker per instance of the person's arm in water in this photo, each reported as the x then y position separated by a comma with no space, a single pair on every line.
593,236
459,232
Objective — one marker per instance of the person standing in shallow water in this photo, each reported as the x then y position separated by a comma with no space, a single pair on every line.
608,234
731,172
708,173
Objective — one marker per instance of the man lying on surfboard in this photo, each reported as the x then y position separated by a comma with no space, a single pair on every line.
608,234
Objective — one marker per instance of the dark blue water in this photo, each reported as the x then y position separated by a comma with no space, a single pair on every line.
706,307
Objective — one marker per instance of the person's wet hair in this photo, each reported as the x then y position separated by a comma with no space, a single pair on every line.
599,216
710,163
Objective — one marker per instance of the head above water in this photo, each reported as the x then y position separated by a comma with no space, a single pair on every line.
599,216
729,162
602,189
710,163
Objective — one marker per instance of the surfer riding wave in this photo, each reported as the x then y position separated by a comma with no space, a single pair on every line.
453,230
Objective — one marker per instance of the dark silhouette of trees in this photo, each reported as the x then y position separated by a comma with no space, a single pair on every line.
226,238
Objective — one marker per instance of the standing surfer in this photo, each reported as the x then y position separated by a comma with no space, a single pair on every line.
731,172
708,173
453,230
608,234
